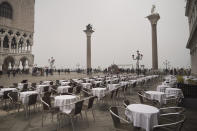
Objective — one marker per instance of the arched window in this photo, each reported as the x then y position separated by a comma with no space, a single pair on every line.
6,10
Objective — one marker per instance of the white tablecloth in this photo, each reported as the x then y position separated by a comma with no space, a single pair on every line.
162,88
99,92
24,96
86,85
156,95
63,89
143,116
6,89
112,87
40,88
63,102
64,83
174,92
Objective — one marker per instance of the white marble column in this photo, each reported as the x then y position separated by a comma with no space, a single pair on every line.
9,42
2,38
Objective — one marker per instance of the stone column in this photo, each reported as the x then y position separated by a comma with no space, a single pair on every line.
88,34
153,18
9,42
2,38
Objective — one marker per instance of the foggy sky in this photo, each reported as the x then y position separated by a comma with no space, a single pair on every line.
120,30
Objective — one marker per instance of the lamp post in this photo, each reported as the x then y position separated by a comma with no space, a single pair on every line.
138,57
166,64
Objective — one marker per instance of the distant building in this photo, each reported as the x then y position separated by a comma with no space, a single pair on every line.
191,13
16,34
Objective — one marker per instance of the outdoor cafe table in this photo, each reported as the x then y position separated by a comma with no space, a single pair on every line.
86,85
24,96
99,92
162,88
156,95
142,115
6,89
65,102
64,83
63,89
174,92
112,87
40,88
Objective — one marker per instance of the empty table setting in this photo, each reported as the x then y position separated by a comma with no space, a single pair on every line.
142,115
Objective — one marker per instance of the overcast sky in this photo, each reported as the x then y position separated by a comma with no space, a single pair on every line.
120,30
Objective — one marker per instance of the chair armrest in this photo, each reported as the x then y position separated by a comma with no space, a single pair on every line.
44,102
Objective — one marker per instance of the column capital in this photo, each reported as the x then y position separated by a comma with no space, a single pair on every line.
89,32
153,18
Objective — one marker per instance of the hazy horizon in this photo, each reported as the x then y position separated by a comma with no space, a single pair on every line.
120,30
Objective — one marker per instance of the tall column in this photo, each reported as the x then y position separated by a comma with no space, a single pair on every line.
88,32
153,18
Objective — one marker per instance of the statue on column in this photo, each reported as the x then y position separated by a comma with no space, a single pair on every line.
153,9
89,27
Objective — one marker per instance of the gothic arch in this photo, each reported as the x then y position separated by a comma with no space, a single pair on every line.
6,42
6,61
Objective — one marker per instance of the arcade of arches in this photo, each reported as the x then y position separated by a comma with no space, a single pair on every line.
15,49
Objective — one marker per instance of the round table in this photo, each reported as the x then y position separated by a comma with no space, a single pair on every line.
142,115
86,85
65,102
162,88
7,89
174,92
63,89
156,95
64,83
24,96
99,92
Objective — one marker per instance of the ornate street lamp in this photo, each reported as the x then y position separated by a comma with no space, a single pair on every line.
166,64
138,57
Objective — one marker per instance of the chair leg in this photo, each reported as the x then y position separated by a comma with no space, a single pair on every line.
93,115
86,117
72,124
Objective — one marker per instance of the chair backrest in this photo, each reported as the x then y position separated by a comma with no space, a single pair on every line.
24,81
47,100
32,99
25,87
46,88
70,90
1,87
5,94
91,102
57,82
51,83
78,89
177,121
126,103
33,85
114,115
78,107
13,96
140,94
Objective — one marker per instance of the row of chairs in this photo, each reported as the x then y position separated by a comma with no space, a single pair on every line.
79,106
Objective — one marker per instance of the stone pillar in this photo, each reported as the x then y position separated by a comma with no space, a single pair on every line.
88,34
153,18
9,42
2,38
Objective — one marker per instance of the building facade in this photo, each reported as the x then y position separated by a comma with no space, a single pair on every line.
16,34
191,13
